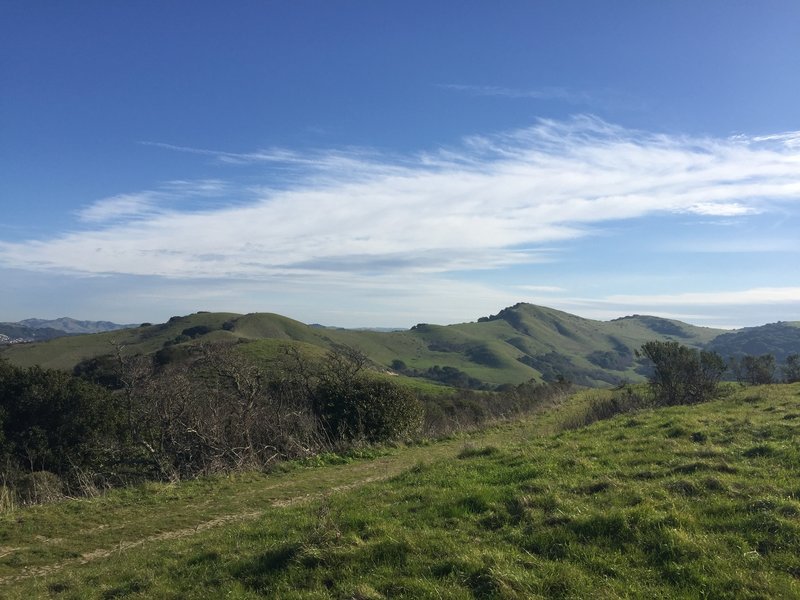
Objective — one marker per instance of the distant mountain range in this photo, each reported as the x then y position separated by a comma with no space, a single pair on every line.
31,330
520,343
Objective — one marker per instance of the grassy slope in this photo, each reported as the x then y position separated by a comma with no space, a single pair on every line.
488,350
66,352
690,502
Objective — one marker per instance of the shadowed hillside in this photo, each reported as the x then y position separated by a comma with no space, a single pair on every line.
779,339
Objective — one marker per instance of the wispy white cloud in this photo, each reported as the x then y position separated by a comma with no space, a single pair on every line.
594,100
149,203
544,93
200,187
722,209
749,297
356,161
737,245
791,138
541,288
489,202
232,157
121,206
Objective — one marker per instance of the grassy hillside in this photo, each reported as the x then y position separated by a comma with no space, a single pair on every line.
66,352
699,501
520,343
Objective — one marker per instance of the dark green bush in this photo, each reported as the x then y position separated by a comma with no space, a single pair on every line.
370,409
196,331
682,375
53,421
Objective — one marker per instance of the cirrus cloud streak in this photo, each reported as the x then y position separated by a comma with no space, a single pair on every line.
489,202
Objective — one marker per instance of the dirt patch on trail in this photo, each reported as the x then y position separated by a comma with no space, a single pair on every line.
124,546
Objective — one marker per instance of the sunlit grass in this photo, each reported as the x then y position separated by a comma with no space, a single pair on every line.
700,501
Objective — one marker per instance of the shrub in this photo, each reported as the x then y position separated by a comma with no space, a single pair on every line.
53,421
682,375
791,370
755,370
399,366
370,409
40,487
601,407
196,331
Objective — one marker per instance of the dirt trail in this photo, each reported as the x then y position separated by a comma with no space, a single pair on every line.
123,546
217,507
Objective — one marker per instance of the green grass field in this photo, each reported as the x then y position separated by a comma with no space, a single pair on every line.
684,502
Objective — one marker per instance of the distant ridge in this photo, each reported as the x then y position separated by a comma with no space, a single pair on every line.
38,330
69,325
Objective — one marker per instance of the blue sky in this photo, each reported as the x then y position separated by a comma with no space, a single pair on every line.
363,163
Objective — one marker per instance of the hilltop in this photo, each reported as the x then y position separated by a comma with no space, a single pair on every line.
519,343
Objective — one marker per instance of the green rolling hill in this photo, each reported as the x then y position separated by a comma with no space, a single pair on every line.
520,343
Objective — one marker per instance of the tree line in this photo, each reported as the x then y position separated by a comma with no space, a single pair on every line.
679,375
682,375
121,419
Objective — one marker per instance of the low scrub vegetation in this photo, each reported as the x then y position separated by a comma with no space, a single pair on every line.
211,408
678,375
467,410
598,405
682,375
125,419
